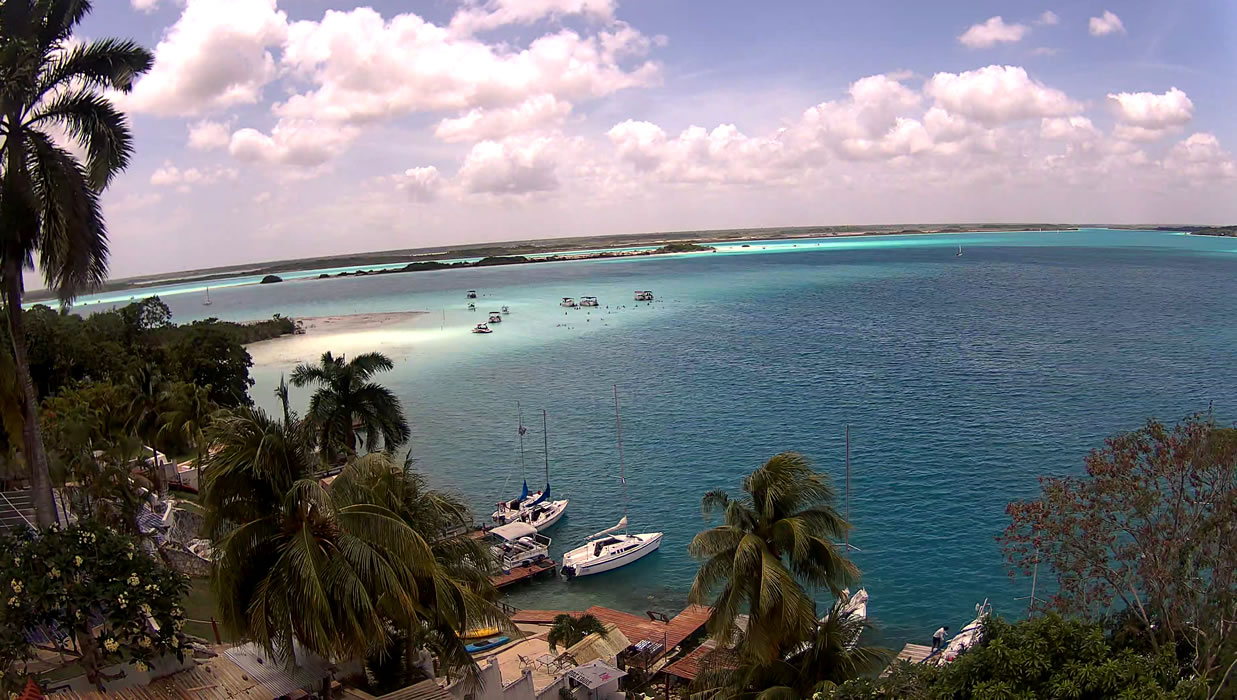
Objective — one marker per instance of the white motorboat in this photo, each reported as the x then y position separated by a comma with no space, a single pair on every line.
506,310
471,294
605,552
644,295
482,328
496,317
588,301
568,302
518,544
967,637
608,550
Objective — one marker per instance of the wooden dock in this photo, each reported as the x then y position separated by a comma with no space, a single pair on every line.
522,573
911,653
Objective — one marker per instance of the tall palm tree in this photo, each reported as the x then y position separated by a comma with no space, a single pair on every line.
189,416
338,569
829,655
568,631
49,200
346,399
779,534
145,414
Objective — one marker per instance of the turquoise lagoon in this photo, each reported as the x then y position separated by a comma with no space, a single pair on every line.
962,380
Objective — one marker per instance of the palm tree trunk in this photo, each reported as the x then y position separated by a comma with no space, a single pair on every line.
32,437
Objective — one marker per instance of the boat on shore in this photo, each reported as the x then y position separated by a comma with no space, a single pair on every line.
609,550
496,317
482,328
588,301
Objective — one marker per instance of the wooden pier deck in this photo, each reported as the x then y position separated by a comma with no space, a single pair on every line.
911,653
522,573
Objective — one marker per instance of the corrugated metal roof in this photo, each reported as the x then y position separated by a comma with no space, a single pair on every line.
425,690
216,679
274,674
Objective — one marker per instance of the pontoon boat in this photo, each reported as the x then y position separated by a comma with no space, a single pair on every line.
518,544
568,302
588,301
482,328
496,317
471,294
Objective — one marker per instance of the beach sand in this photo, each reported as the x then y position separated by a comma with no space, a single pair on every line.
350,334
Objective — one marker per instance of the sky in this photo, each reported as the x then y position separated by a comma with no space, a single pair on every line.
275,129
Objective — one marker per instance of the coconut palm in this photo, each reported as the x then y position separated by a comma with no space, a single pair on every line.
145,414
338,569
829,655
778,535
346,399
568,631
49,199
188,417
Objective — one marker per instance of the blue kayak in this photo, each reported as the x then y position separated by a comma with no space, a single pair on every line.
486,645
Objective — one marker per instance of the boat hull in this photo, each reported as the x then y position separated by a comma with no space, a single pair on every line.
600,567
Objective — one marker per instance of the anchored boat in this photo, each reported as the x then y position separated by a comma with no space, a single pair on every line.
568,302
482,328
588,301
496,317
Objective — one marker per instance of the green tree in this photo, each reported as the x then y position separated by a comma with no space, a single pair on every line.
568,630
333,568
779,533
345,399
188,417
825,658
50,210
145,413
210,354
94,583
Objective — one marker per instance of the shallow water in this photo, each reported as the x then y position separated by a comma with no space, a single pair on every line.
962,378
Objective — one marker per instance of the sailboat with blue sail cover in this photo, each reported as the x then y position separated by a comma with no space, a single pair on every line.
536,509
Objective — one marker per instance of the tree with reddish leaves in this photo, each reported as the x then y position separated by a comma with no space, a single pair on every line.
1148,533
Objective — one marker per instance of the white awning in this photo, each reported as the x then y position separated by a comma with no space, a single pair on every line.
514,531
595,675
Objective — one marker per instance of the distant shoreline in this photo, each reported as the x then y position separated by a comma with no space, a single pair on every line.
563,247
346,323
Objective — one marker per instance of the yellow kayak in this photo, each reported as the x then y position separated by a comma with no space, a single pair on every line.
479,633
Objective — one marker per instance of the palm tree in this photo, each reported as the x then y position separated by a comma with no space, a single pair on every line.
338,569
188,417
779,533
568,630
49,200
346,400
145,414
826,657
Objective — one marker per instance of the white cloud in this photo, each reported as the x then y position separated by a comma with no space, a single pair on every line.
1106,24
997,94
1076,129
497,13
303,143
1152,111
208,135
145,5
366,68
1048,19
510,167
420,184
992,32
1201,157
535,113
169,175
697,155
214,56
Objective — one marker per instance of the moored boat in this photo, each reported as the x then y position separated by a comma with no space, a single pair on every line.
471,294
644,295
517,544
496,317
588,301
568,302
967,637
482,328
506,310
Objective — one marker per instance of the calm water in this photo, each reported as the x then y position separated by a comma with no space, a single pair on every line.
962,378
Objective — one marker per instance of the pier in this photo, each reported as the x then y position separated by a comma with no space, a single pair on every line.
522,573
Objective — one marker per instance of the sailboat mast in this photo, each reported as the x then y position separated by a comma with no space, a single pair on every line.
848,486
618,424
545,437
519,420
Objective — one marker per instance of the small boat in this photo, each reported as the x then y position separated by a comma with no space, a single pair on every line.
607,550
588,301
517,544
568,302
482,328
479,633
644,296
959,252
472,306
471,294
506,310
496,317
208,302
478,647
967,637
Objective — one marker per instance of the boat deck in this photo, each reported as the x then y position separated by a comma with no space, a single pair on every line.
522,573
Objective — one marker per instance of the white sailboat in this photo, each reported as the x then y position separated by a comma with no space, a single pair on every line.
966,637
959,251
208,302
536,509
608,550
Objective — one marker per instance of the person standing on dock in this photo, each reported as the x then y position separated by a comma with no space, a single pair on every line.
938,638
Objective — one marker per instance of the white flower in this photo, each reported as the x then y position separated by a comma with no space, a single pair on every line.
16,585
140,666
130,556
144,642
111,645
175,642
77,561
54,573
134,580
13,602
146,608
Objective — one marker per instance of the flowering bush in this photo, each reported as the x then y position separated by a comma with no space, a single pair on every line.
95,584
